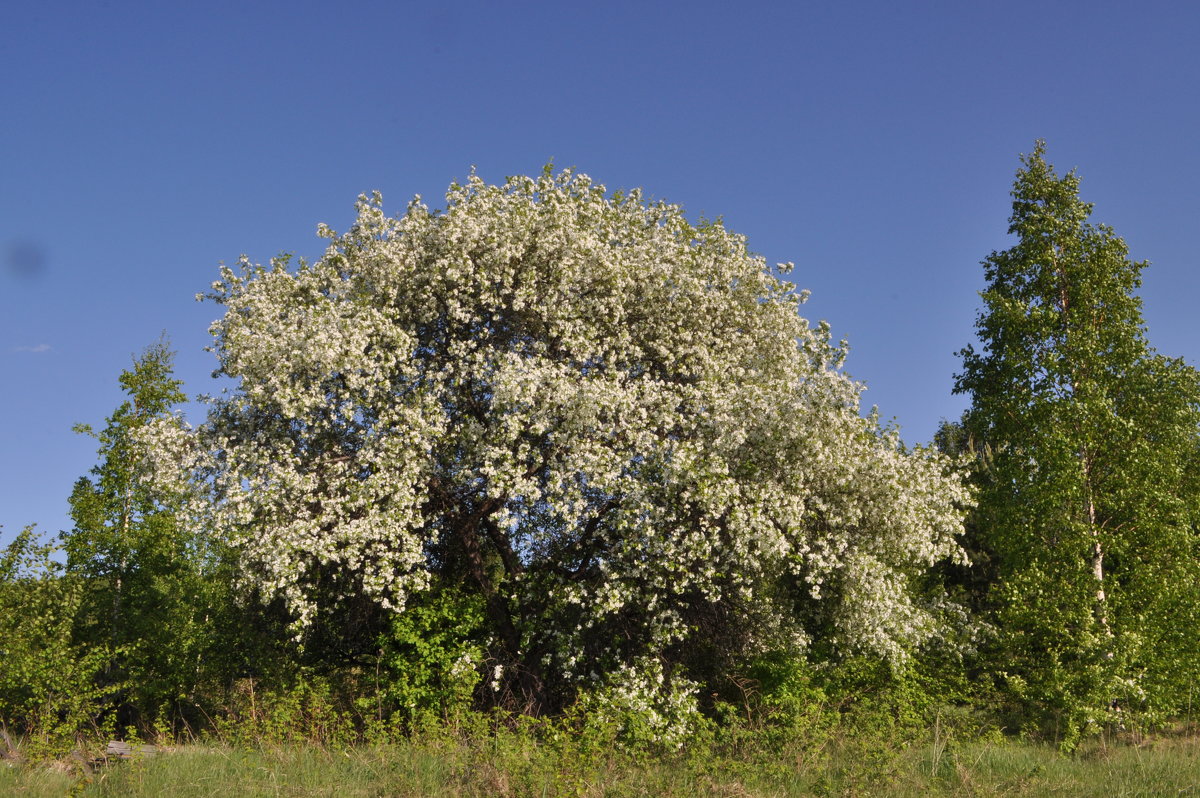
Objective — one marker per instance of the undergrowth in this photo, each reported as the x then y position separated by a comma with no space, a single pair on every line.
303,743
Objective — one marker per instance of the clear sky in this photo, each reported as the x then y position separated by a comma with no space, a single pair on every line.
872,143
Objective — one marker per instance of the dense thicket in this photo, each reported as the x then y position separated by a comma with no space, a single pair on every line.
553,450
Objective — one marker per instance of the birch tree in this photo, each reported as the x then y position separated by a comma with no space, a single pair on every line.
146,598
1091,440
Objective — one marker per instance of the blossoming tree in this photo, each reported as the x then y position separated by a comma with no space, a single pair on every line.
610,425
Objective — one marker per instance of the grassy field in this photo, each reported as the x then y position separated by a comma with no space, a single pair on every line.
1163,766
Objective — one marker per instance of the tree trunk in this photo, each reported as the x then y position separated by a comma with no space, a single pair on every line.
1101,608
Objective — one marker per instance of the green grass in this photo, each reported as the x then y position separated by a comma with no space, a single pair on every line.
501,765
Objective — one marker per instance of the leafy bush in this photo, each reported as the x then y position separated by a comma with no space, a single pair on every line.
432,658
48,684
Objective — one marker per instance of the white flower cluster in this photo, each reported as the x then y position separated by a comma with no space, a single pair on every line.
639,700
626,409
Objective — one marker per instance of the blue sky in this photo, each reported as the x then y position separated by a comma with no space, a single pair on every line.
872,143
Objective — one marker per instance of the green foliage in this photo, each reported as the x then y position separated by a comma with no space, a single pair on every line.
152,595
308,708
433,655
48,692
1084,442
777,686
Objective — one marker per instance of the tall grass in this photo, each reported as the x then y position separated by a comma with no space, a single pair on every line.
527,762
